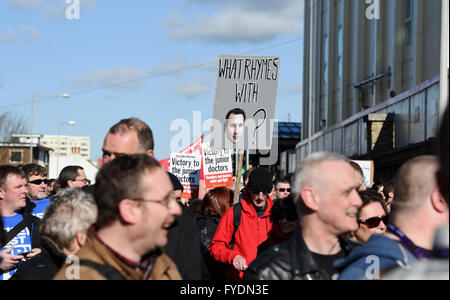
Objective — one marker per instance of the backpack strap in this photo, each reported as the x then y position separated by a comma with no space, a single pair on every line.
237,209
106,271
26,222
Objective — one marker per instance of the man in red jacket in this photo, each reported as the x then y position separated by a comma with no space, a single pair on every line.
253,229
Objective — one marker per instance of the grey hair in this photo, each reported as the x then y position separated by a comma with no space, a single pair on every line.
71,211
307,172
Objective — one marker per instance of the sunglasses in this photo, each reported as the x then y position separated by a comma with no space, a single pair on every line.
256,192
375,221
38,181
284,190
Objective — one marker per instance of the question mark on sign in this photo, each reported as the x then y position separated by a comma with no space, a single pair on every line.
259,125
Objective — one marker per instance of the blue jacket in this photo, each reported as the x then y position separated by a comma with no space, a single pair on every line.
377,255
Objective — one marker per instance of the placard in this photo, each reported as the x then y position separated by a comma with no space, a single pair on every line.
217,167
368,169
244,106
186,167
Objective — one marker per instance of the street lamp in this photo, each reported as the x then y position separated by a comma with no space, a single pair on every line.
71,123
65,95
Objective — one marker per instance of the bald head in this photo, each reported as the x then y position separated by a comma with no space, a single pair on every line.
414,183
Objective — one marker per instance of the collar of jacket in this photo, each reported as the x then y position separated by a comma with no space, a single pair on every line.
303,264
57,255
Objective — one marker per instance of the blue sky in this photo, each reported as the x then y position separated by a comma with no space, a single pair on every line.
154,60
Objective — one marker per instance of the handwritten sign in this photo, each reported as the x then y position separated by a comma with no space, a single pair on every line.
244,105
218,168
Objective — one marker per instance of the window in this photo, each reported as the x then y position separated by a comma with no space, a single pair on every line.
407,21
340,50
16,156
325,59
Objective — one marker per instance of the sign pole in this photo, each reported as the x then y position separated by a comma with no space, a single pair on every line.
237,184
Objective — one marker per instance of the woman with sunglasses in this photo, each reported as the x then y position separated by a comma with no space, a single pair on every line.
372,216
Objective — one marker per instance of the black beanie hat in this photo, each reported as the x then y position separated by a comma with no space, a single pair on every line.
175,182
260,180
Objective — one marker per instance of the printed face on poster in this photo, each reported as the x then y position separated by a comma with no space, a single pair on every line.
186,167
218,167
244,106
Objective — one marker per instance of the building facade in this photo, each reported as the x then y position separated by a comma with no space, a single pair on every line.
375,78
68,145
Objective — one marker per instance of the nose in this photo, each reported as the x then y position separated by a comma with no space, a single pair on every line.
174,208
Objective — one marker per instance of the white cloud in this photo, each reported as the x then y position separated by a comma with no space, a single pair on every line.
119,77
9,36
24,34
191,89
238,21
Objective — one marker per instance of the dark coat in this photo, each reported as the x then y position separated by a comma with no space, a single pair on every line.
183,247
43,266
207,226
290,260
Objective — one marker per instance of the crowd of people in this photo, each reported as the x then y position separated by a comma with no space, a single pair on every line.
323,223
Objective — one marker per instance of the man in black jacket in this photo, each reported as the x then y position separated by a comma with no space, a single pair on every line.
327,202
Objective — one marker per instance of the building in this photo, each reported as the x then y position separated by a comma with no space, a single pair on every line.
375,78
68,145
17,152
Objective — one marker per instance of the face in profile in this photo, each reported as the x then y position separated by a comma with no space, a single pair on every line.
234,127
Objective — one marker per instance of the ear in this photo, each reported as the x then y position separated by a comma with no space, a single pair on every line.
2,193
129,211
310,198
438,202
69,183
80,237
151,153
391,195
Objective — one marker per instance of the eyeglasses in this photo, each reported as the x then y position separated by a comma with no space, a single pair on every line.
282,190
166,201
375,221
256,192
38,181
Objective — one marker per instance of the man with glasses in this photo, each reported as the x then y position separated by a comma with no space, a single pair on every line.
418,210
36,176
135,209
133,136
282,188
72,176
238,247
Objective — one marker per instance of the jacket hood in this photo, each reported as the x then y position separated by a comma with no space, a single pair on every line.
377,245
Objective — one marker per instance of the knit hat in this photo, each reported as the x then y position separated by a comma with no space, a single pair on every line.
260,180
175,182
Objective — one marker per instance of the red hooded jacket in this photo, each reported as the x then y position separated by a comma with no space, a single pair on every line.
252,231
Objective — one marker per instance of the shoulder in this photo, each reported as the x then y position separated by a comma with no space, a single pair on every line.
272,264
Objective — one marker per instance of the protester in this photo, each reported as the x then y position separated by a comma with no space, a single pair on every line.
388,192
22,238
437,267
215,203
132,136
285,222
418,210
72,176
327,203
373,216
63,232
50,187
135,208
282,188
36,176
184,234
238,248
